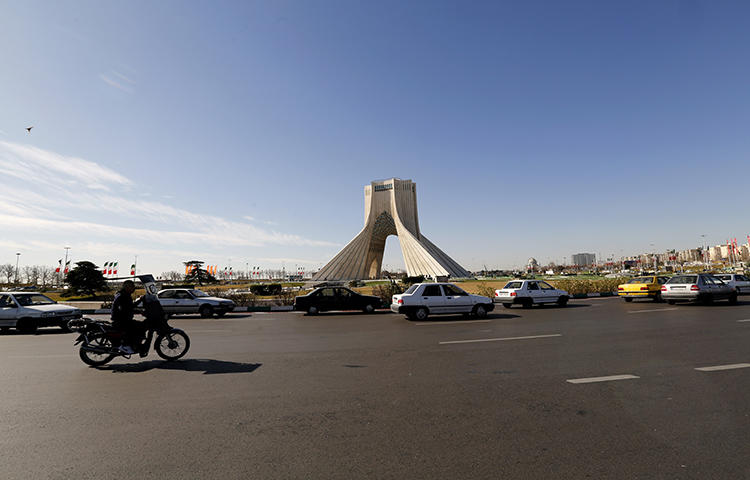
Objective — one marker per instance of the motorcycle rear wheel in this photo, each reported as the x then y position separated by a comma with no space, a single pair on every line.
172,345
97,359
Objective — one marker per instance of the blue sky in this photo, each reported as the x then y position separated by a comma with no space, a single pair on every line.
246,130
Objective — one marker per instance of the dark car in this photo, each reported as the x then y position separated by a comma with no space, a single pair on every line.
335,298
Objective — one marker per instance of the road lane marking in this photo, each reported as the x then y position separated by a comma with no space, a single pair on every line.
723,367
500,339
609,378
746,320
453,322
654,310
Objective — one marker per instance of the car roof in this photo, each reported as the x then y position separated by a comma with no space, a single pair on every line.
22,293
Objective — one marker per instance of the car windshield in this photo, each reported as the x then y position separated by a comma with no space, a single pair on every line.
27,299
683,279
411,289
641,280
511,285
198,293
724,277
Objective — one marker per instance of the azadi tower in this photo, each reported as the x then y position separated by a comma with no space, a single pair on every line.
390,209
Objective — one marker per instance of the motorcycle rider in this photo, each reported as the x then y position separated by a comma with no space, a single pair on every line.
122,318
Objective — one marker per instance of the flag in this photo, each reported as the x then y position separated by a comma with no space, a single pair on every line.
132,269
67,267
59,264
104,269
116,268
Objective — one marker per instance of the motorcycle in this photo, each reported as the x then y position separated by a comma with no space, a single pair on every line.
100,341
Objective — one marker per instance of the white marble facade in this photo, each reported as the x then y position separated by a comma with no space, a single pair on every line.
390,209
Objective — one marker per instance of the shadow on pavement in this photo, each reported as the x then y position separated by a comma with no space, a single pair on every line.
461,318
335,313
198,317
208,367
41,331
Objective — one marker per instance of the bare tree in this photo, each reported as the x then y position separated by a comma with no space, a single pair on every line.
46,274
173,276
31,274
8,271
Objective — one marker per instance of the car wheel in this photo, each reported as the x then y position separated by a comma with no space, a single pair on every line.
421,314
206,311
657,297
708,300
368,308
507,305
26,325
221,314
480,311
671,302
312,310
627,299
527,303
733,299
64,327
562,301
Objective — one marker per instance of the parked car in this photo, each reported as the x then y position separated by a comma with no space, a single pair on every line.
27,311
335,298
424,299
529,292
642,287
700,287
740,282
190,300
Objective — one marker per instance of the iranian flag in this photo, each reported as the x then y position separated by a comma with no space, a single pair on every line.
104,269
59,265
132,269
67,267
115,268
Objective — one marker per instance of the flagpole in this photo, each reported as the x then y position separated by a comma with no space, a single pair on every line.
65,266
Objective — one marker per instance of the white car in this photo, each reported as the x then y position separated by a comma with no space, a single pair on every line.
740,282
424,299
27,311
529,292
190,300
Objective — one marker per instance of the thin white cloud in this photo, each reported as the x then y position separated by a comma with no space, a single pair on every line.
121,85
122,77
65,188
26,161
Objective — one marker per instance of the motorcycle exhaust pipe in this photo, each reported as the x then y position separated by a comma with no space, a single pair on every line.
89,348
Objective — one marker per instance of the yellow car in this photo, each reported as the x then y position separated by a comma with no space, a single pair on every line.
642,287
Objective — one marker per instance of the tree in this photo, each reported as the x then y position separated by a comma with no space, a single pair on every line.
196,273
8,271
172,276
46,274
86,279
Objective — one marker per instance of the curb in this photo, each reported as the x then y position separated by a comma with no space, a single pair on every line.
594,295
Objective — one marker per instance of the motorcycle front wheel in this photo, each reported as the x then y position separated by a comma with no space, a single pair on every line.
172,345
95,359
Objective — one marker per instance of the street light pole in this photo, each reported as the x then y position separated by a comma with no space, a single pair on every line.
18,255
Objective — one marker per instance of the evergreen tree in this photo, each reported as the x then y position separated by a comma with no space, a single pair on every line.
196,273
86,279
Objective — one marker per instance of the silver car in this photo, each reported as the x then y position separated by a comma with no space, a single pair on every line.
697,287
740,282
190,300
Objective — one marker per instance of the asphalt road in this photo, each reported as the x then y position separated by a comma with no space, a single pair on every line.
342,396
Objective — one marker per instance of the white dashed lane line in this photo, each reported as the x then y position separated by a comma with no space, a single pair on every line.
478,340
609,378
746,320
723,367
653,310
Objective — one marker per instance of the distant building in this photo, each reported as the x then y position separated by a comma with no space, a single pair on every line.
583,259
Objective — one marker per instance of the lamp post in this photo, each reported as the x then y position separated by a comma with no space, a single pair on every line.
18,255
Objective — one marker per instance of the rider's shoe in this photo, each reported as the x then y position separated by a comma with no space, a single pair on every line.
126,350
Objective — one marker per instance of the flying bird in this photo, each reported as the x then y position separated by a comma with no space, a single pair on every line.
28,129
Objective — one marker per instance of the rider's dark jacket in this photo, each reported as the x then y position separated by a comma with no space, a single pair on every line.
122,309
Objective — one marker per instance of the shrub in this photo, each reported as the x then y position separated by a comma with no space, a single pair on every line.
266,289
485,290
587,285
385,292
241,299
